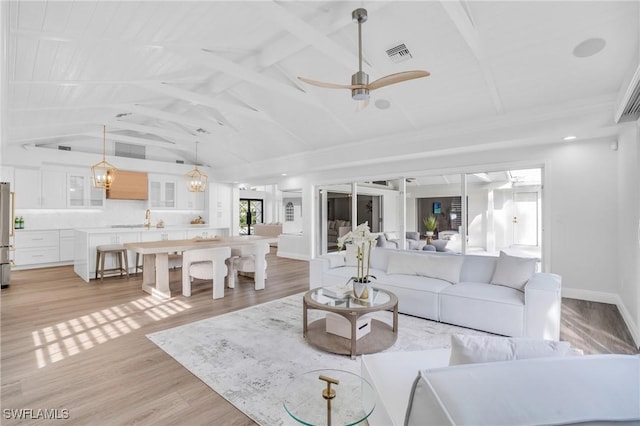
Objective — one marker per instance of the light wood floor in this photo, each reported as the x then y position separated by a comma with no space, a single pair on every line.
82,347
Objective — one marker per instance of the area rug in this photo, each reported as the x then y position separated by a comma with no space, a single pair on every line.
251,355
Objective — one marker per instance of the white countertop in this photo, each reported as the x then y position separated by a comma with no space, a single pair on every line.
142,228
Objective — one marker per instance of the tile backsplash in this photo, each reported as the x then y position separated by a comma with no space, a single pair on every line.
116,212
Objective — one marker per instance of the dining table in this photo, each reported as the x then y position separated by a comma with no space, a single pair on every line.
155,269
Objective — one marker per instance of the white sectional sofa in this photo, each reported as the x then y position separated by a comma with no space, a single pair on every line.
420,388
499,295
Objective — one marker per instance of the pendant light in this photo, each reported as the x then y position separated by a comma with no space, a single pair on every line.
103,174
196,180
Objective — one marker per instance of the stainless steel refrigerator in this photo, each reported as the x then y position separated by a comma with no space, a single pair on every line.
6,231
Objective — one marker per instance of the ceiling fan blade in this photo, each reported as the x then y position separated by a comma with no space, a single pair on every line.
397,78
328,85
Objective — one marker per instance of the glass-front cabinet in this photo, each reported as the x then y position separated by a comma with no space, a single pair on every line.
81,193
162,192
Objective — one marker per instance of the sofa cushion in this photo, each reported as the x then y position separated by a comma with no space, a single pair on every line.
512,271
446,268
478,269
467,349
482,306
336,261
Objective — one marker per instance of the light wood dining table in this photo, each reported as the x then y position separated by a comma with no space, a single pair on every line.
155,270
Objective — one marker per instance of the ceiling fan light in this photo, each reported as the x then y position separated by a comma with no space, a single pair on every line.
360,93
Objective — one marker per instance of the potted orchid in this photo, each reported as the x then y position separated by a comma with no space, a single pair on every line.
363,242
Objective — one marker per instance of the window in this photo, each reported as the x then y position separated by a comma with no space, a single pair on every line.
288,212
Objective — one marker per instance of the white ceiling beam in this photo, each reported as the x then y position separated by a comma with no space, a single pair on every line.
457,13
197,98
209,126
218,63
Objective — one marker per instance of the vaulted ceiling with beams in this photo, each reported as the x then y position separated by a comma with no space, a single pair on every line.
166,74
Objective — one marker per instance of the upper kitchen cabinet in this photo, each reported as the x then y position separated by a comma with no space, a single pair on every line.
36,189
6,175
220,205
162,192
188,200
81,193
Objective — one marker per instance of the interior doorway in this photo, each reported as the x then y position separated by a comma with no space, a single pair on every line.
251,212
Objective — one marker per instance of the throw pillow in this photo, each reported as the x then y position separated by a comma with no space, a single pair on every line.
512,271
443,267
440,245
477,349
404,264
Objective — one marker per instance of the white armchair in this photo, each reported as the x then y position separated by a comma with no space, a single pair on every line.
243,262
205,264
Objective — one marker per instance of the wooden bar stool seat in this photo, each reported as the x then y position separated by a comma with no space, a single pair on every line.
122,261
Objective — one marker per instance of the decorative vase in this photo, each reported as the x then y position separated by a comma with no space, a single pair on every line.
361,289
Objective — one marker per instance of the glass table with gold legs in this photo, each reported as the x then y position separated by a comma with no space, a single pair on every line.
329,397
380,336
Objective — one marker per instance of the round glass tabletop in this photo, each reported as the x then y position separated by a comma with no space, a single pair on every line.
328,296
353,400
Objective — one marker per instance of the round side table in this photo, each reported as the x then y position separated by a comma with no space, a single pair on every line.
308,402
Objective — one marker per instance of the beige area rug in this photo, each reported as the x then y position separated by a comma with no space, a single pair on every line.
250,356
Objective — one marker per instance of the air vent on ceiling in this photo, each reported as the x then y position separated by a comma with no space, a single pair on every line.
629,106
399,53
180,161
130,150
64,148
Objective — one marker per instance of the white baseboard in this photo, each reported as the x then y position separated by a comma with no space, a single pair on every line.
296,256
611,298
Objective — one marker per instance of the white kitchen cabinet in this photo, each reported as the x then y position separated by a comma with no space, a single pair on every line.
188,200
162,192
66,245
220,206
110,261
28,186
36,247
6,175
40,189
161,235
81,193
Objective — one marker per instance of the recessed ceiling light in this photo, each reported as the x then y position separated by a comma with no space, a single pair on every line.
589,47
569,138
283,174
382,104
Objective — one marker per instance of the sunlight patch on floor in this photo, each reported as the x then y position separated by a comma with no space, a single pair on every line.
56,342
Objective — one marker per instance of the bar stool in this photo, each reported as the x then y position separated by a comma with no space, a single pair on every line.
121,257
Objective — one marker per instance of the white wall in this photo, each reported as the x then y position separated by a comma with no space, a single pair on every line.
628,232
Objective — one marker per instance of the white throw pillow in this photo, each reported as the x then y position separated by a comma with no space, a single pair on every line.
467,349
445,268
405,264
351,258
512,271
391,235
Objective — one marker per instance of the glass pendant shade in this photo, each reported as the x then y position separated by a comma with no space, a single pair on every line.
196,180
103,174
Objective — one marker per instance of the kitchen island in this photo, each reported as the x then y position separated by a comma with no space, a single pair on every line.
87,239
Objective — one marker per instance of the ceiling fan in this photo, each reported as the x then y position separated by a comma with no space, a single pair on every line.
360,86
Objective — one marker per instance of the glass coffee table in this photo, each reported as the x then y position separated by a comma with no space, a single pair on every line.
349,401
380,337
